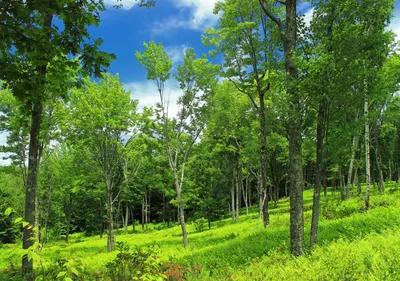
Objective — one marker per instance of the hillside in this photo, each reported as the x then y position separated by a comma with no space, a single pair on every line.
353,245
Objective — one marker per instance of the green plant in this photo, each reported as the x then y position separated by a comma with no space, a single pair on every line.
138,264
199,224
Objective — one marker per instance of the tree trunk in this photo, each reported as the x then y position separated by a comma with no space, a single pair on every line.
143,215
378,159
233,209
245,195
110,220
318,173
181,211
295,156
31,186
367,153
133,219
390,170
37,227
238,186
68,213
359,191
351,166
263,157
126,218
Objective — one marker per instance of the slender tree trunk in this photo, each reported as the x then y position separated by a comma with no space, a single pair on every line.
351,166
133,219
101,219
238,186
359,191
126,218
181,211
245,194
390,170
367,153
233,198
68,213
263,157
110,219
340,180
31,186
143,214
378,160
318,173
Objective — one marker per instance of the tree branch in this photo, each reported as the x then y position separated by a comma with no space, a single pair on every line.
271,16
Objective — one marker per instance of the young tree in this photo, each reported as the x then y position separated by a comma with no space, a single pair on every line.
102,113
197,79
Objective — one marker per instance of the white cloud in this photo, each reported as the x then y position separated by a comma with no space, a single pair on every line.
147,94
176,53
126,4
194,14
308,16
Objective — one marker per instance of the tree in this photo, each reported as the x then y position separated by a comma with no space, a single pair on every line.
197,78
34,49
288,35
246,38
102,114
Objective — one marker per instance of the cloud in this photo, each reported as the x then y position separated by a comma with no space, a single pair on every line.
147,94
308,15
194,14
176,53
126,4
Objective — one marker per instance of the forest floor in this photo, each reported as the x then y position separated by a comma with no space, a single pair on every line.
353,245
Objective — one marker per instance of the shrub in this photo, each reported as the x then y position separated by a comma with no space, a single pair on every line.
138,264
199,224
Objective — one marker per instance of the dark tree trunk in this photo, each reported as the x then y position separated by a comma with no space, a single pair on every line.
295,124
110,220
31,186
263,157
68,212
318,173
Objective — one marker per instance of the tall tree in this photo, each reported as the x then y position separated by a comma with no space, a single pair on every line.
288,28
103,114
33,46
197,79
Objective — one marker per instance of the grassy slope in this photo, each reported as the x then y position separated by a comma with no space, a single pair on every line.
236,248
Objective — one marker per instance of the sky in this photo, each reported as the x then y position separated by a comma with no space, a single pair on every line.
177,24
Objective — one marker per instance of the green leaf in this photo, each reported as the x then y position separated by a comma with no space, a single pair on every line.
8,211
61,274
68,279
18,220
74,271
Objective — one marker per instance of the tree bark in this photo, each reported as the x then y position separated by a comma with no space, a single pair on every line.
181,211
238,183
378,159
110,219
318,173
367,153
31,186
263,157
233,207
246,194
351,166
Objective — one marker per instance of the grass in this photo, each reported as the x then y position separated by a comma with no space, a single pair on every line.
244,250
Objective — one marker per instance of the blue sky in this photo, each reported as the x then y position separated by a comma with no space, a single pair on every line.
178,24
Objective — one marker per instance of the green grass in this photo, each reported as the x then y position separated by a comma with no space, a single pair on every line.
246,251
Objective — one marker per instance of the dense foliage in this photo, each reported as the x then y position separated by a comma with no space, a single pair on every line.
294,107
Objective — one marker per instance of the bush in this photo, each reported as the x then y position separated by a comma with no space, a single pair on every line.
199,224
138,264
